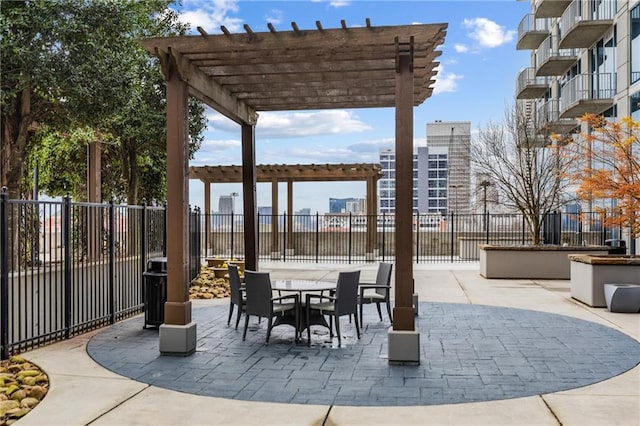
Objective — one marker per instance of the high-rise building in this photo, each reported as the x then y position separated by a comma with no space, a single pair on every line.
387,183
225,204
444,168
585,58
346,205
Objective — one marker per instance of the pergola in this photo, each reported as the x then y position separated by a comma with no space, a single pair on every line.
290,173
241,74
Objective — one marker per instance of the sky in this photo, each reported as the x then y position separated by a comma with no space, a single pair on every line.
475,82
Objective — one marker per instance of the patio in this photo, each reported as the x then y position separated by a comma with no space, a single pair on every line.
553,367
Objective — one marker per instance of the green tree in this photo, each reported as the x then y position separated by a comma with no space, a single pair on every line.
69,66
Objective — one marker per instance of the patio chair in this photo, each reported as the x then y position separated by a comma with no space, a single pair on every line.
382,288
260,302
237,297
344,302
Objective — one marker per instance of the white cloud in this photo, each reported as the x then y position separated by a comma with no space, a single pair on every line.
460,48
488,33
210,15
301,124
275,16
334,3
445,82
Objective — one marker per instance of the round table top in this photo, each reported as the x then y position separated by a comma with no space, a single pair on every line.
302,285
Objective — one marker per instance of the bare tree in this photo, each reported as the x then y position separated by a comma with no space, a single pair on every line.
525,165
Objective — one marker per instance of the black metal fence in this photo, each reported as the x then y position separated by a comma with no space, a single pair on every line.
343,238
71,267
67,267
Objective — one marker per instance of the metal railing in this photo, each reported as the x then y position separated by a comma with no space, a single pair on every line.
593,11
529,24
343,238
548,50
527,78
71,267
587,86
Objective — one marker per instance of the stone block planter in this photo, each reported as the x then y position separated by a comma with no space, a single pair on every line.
533,262
589,274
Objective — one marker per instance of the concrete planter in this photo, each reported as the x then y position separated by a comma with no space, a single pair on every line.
589,274
531,262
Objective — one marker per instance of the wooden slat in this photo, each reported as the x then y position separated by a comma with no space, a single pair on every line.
297,172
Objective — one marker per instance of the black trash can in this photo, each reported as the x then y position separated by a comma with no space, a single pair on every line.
617,246
155,285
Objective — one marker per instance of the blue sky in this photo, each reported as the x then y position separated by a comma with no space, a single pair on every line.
476,81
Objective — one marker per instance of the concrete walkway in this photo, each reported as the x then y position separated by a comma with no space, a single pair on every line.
82,392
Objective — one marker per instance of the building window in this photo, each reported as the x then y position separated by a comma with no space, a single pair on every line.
635,44
635,106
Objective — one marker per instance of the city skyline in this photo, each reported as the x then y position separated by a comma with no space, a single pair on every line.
469,87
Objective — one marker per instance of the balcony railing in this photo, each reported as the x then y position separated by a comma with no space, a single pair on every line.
548,120
581,27
528,86
550,8
531,32
587,93
550,60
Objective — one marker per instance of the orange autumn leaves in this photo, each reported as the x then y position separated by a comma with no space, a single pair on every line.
606,161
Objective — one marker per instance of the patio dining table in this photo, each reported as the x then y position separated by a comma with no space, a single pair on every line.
303,286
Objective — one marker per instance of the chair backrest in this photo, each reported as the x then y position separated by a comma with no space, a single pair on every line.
258,291
235,284
347,293
383,277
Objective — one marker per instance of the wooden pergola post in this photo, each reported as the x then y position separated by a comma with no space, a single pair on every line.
207,216
94,195
404,339
372,225
290,251
275,241
178,333
249,196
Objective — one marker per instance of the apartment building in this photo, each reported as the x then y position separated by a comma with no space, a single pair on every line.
441,171
585,58
387,183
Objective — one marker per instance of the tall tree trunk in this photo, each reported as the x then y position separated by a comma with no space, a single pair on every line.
15,128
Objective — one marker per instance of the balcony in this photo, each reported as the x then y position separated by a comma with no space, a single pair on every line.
587,93
548,120
532,32
582,28
551,61
528,86
551,8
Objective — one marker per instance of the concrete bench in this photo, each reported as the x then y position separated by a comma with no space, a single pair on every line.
623,298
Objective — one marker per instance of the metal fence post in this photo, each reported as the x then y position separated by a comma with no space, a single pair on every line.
4,274
143,248
284,236
232,236
317,235
486,219
452,234
384,220
164,231
417,237
112,278
350,237
66,238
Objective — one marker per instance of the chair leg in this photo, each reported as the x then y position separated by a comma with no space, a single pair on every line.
361,322
269,325
246,325
379,311
296,324
389,310
239,315
331,326
230,313
308,311
338,331
357,326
